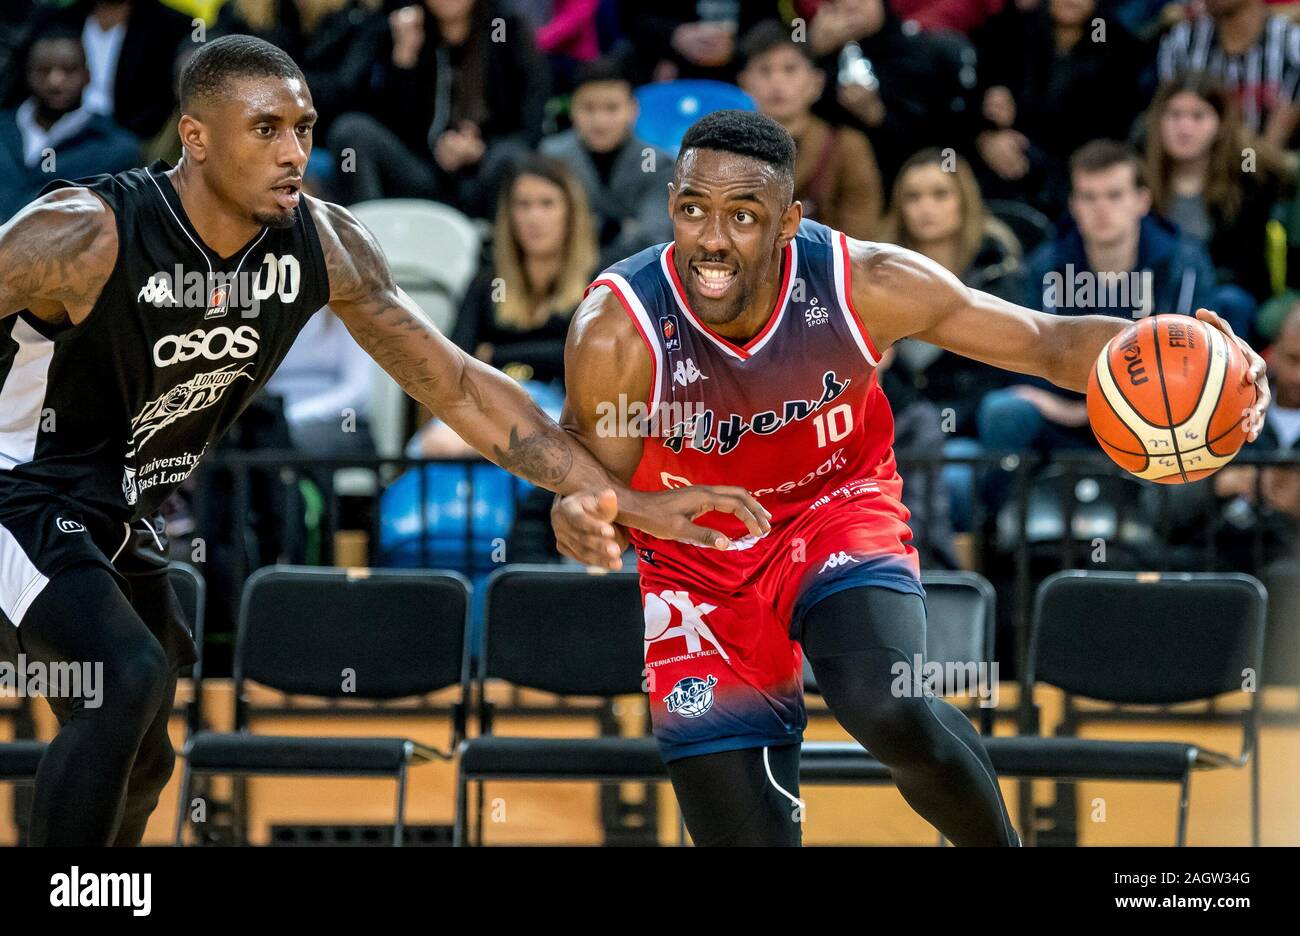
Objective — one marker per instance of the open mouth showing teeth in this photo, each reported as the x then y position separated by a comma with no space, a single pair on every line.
287,195
713,282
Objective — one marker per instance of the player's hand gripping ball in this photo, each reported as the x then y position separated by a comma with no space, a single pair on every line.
1173,398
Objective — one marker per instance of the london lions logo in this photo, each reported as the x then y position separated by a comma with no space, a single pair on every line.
691,697
198,393
156,292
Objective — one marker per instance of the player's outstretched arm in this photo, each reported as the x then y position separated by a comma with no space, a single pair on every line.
606,366
483,406
56,255
901,294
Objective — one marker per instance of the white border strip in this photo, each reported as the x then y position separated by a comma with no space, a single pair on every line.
633,302
841,260
20,581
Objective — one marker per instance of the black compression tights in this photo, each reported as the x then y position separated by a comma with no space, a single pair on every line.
102,774
852,639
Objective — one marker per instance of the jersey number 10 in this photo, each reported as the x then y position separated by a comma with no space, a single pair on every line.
834,425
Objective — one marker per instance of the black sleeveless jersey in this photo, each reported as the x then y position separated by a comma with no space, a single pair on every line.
114,413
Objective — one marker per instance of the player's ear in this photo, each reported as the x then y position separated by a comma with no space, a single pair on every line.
192,137
790,219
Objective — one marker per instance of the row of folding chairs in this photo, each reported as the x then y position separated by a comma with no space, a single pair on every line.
383,635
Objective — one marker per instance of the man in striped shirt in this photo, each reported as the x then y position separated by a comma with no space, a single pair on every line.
1254,53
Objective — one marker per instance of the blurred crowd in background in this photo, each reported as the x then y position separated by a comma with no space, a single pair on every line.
1008,140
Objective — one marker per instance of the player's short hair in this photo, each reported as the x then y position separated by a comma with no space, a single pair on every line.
1100,155
745,133
217,64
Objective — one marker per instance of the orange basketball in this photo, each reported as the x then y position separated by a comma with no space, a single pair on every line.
1165,399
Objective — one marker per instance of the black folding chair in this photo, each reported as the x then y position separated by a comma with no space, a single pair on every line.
374,635
19,759
961,622
565,632
1148,639
192,593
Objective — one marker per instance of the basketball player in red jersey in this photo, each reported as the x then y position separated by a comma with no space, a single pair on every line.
754,338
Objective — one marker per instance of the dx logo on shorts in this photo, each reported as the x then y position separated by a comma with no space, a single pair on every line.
691,697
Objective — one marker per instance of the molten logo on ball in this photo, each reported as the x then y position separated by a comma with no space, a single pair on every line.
1166,397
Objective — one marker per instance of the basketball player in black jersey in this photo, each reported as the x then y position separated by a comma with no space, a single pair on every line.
139,313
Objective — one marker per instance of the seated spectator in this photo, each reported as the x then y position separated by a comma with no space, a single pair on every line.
835,173
673,39
1113,258
449,109
325,382
331,40
130,46
940,214
516,313
1050,82
1254,53
626,180
905,90
51,134
1194,163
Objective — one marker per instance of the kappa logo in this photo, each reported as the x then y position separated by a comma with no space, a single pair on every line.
659,624
157,292
816,314
687,373
68,526
838,559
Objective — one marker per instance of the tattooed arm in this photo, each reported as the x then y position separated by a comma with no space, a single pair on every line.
56,255
483,406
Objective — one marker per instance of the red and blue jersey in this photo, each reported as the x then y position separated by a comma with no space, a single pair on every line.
796,416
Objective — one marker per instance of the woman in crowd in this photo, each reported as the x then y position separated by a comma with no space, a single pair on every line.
1218,187
516,313
936,210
